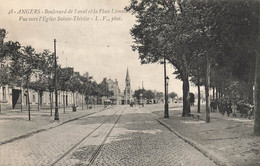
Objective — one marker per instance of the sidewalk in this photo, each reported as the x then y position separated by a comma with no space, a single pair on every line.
14,124
226,140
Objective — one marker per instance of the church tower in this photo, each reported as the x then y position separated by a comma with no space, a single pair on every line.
128,93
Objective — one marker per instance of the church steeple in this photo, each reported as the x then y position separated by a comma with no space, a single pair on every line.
127,76
128,92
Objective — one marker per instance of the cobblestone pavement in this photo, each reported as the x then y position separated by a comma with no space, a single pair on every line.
15,124
104,138
137,139
229,139
46,147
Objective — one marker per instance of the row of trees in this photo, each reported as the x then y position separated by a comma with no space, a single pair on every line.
23,63
149,94
146,94
216,43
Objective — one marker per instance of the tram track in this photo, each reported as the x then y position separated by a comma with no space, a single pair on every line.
99,148
26,135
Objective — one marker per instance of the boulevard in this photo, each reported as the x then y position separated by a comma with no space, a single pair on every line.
120,135
118,83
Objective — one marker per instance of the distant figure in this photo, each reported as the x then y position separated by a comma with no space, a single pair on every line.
234,109
213,106
192,99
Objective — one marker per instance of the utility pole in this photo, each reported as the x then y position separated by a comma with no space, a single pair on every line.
56,116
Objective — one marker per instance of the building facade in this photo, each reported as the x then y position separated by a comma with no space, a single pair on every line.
113,86
15,97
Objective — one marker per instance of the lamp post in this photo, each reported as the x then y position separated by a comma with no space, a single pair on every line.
166,109
166,83
56,115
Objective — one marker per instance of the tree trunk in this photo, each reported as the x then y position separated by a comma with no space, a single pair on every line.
38,105
251,92
207,90
28,101
186,96
220,91
82,102
257,97
97,101
73,99
21,100
64,104
214,93
198,84
198,98
87,100
51,101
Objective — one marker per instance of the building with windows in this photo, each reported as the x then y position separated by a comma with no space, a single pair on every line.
15,97
113,86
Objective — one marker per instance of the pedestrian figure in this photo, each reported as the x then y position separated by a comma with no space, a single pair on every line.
234,109
213,106
192,99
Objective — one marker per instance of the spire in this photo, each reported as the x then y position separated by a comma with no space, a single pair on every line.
127,75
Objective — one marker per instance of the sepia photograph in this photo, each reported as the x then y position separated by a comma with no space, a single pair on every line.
130,82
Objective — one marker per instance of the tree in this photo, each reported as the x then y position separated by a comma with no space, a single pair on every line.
147,94
173,95
187,31
3,70
197,77
74,84
49,72
28,68
138,92
162,32
159,96
40,72
3,34
63,76
95,90
16,77
86,88
23,65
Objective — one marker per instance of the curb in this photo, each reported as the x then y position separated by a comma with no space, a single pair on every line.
219,160
45,128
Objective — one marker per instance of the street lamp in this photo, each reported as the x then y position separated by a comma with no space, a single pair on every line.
56,116
166,109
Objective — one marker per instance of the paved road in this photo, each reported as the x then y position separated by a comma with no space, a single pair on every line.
118,136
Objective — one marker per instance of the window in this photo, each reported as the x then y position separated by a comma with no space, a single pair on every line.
33,98
4,93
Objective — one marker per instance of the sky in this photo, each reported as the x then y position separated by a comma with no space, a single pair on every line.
92,36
